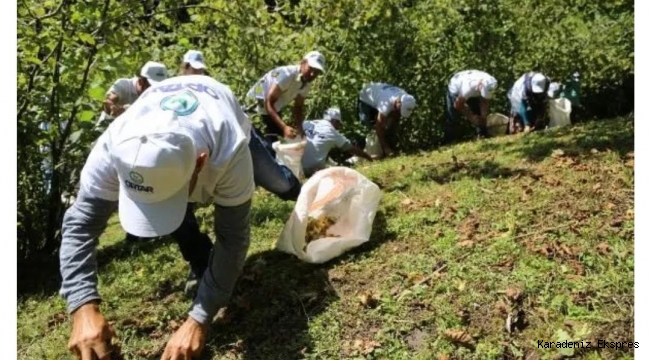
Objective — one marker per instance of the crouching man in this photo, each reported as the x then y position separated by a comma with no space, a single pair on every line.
323,136
184,140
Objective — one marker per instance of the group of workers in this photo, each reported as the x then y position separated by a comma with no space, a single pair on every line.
170,143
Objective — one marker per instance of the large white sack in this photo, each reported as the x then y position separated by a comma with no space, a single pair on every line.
340,193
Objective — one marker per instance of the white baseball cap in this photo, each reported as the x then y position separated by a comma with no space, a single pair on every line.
333,113
489,85
538,83
195,59
315,60
553,89
154,72
155,157
408,105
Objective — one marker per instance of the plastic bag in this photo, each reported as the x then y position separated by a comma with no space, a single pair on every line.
559,112
373,147
497,124
341,194
290,155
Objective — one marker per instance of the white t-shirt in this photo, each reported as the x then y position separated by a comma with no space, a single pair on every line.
322,137
222,131
517,92
465,83
127,94
288,79
381,96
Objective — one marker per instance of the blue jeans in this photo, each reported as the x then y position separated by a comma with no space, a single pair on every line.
527,115
277,179
474,105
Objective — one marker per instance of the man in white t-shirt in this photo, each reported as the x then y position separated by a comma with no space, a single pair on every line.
528,100
184,140
193,63
469,93
381,106
323,136
126,91
282,85
271,94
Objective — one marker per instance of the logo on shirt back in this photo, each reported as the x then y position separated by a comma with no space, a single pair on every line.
182,104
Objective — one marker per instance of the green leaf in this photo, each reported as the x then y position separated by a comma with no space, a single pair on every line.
38,12
97,93
33,60
74,137
87,115
87,38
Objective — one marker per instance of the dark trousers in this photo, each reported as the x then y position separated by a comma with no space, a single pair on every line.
194,245
474,105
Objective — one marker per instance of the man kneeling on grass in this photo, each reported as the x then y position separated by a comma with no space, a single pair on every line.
323,136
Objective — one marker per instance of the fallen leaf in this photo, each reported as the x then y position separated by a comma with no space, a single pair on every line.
466,243
513,293
557,153
368,300
357,344
594,151
616,223
437,202
604,248
461,286
596,187
505,263
610,206
369,347
566,250
542,313
459,336
56,319
415,277
407,201
464,316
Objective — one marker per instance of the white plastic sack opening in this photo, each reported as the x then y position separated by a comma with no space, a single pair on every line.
497,124
342,194
290,155
373,147
559,112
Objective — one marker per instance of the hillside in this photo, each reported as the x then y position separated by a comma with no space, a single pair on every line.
478,252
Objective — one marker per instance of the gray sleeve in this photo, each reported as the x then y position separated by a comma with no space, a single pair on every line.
83,223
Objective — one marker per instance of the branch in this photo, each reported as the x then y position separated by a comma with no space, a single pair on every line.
165,11
46,16
84,80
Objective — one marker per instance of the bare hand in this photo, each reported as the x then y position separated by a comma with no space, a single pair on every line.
187,342
289,132
91,333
